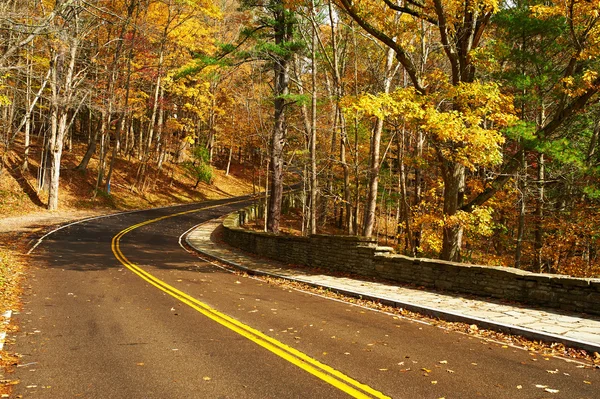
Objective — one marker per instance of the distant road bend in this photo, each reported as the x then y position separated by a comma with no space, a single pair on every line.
115,308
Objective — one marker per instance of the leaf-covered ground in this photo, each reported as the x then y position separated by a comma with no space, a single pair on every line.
11,275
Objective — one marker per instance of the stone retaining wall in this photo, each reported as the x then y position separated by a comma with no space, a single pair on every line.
362,256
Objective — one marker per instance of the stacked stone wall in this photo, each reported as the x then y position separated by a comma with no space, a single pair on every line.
362,256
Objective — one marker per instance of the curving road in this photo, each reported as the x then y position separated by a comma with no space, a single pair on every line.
115,308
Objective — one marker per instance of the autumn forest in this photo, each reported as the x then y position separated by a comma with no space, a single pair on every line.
466,130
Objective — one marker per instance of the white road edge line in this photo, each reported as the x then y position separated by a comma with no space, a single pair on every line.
6,315
39,241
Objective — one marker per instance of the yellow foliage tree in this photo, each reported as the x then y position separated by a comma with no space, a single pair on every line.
462,116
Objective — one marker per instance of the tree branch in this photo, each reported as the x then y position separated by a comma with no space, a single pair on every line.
514,164
415,13
401,54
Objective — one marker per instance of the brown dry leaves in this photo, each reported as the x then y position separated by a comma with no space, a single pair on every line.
7,361
11,273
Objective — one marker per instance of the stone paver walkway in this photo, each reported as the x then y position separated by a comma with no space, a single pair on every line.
543,324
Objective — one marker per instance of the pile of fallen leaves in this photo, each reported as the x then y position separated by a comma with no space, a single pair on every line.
7,360
11,273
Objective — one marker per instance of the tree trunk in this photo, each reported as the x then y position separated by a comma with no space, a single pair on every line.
339,120
25,164
522,210
454,186
93,139
114,75
405,206
156,104
111,165
313,132
61,96
104,137
592,150
210,141
539,216
229,160
371,204
281,90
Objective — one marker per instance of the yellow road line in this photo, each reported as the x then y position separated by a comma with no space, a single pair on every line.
294,356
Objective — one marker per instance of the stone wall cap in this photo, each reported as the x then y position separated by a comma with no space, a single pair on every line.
384,249
345,237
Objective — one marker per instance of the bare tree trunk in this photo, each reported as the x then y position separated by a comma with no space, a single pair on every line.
267,182
115,70
313,132
159,129
156,105
111,165
592,150
339,120
405,207
418,187
347,193
31,107
522,182
104,136
59,114
229,160
371,204
93,139
210,141
26,143
539,215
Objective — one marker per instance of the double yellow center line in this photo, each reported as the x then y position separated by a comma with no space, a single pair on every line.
294,356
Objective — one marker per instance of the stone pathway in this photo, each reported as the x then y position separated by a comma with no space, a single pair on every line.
572,329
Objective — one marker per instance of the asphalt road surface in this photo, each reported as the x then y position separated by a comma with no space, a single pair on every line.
116,308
